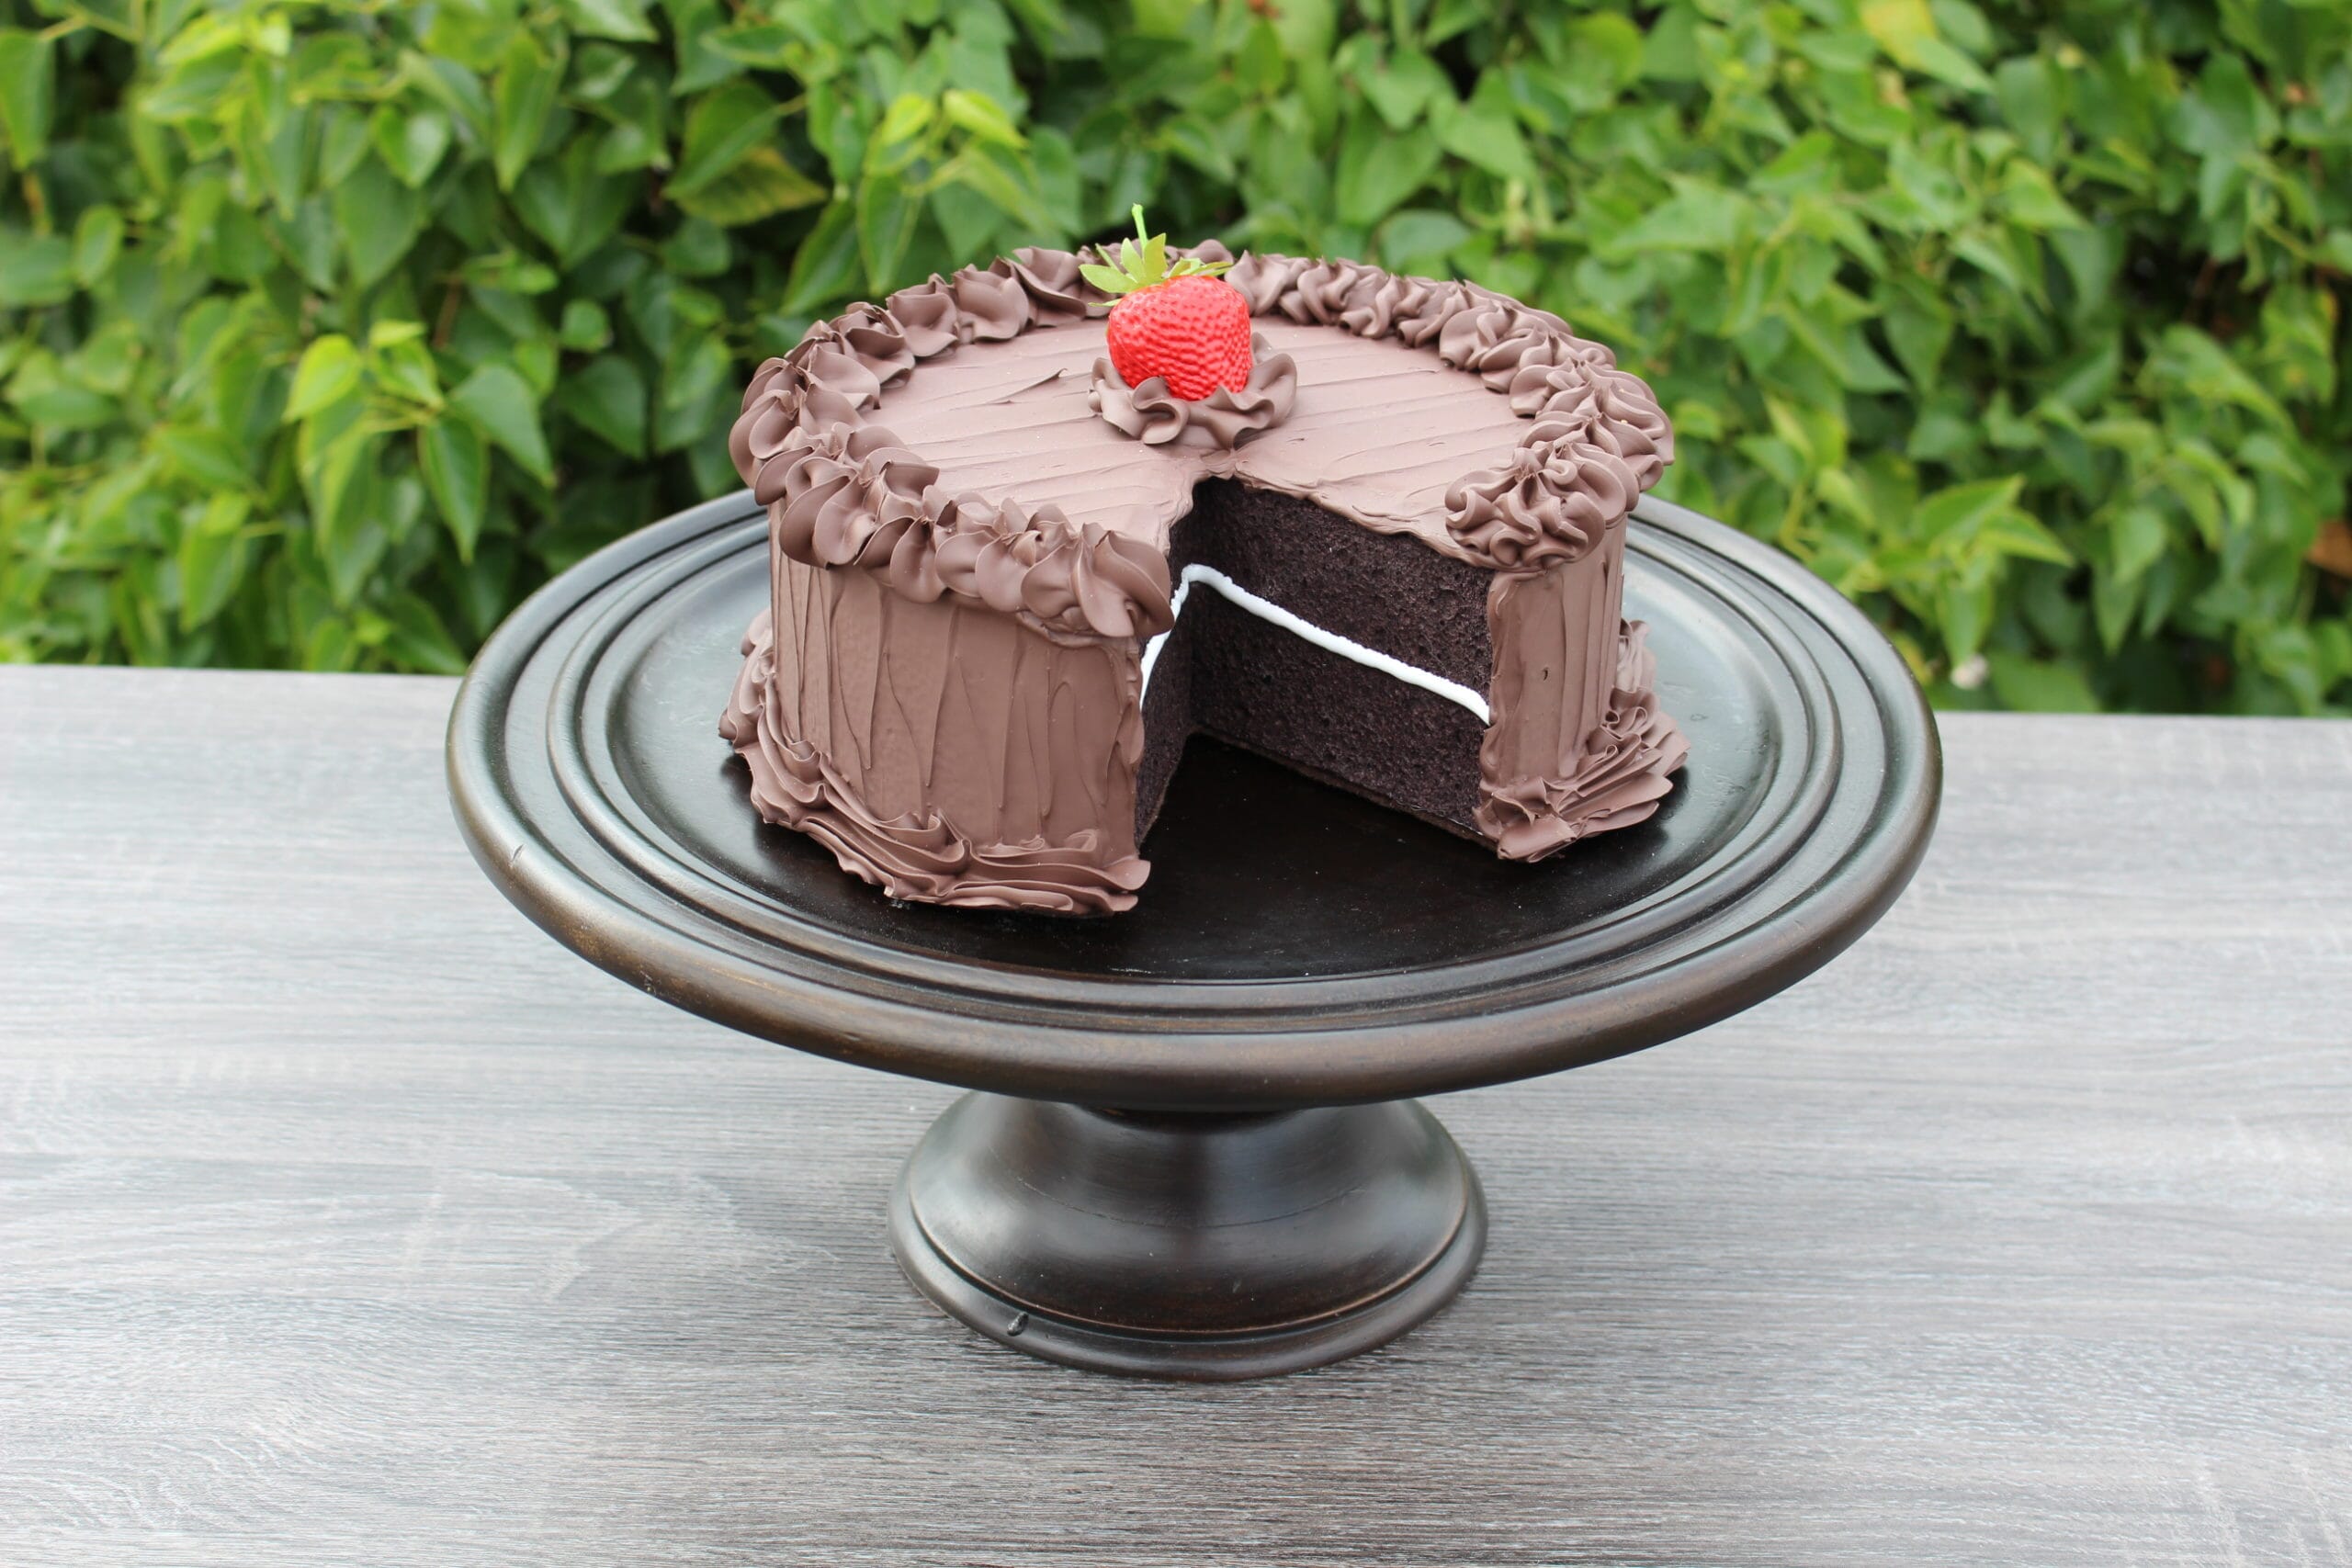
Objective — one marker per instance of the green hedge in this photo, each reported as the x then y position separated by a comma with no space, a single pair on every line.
327,330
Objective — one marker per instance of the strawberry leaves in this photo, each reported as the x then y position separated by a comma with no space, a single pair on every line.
1146,265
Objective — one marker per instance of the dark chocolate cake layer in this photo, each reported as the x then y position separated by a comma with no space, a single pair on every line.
1231,674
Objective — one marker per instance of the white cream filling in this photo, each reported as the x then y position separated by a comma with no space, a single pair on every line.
1331,642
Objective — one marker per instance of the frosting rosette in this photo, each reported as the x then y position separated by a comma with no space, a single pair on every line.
1547,504
1606,407
1061,576
847,494
1155,415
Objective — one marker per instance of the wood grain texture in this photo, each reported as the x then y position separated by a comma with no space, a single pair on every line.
345,1219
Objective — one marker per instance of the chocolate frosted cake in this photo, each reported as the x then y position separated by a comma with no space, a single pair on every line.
1007,586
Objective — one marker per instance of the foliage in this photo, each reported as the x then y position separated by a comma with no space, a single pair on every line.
328,328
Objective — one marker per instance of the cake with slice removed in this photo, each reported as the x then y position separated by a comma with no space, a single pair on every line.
1014,566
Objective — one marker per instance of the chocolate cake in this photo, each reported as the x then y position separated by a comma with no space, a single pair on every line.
1007,587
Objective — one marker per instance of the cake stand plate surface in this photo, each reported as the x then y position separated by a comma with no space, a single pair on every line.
1191,1152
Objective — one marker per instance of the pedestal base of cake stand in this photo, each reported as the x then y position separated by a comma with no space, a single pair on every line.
1197,1247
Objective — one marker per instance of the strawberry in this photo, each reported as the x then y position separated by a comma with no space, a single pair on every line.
1180,322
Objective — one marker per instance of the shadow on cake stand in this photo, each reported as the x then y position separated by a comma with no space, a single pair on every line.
1193,1147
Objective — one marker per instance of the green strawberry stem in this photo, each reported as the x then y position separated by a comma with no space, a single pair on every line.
1138,269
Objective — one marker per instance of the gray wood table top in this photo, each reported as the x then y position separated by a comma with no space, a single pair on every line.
346,1219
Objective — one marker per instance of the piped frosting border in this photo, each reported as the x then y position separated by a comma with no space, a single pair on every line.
843,491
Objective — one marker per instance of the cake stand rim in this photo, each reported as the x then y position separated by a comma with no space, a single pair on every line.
1495,1033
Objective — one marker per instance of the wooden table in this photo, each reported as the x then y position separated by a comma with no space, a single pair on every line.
344,1218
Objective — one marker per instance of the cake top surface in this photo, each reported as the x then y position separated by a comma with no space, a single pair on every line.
1378,433
969,437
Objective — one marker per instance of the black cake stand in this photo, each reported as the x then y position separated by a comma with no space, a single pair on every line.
1190,1149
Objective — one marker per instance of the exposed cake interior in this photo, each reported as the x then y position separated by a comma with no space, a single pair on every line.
1285,613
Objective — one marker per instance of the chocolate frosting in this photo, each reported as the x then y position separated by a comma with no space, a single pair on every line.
1613,776
912,855
1036,741
842,493
1550,503
1591,428
1155,415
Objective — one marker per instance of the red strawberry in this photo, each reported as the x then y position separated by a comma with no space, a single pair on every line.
1180,322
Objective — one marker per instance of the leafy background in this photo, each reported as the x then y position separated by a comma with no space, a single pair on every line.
328,330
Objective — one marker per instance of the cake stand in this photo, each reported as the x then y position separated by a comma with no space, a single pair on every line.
1190,1149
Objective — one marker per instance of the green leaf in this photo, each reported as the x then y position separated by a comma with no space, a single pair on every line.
2033,685
404,368
697,249
2137,541
697,24
328,373
192,91
522,101
410,141
2225,115
721,131
1197,143
120,17
1962,508
97,240
379,219
760,185
1484,131
501,403
204,455
886,212
28,91
1420,238
622,20
1900,27
570,206
456,464
1934,57
608,397
1696,217
2015,534
1601,58
415,640
770,46
1965,609
2033,95
456,88
981,115
1919,328
35,269
342,484
214,554
585,326
2029,197
1377,170
1401,88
